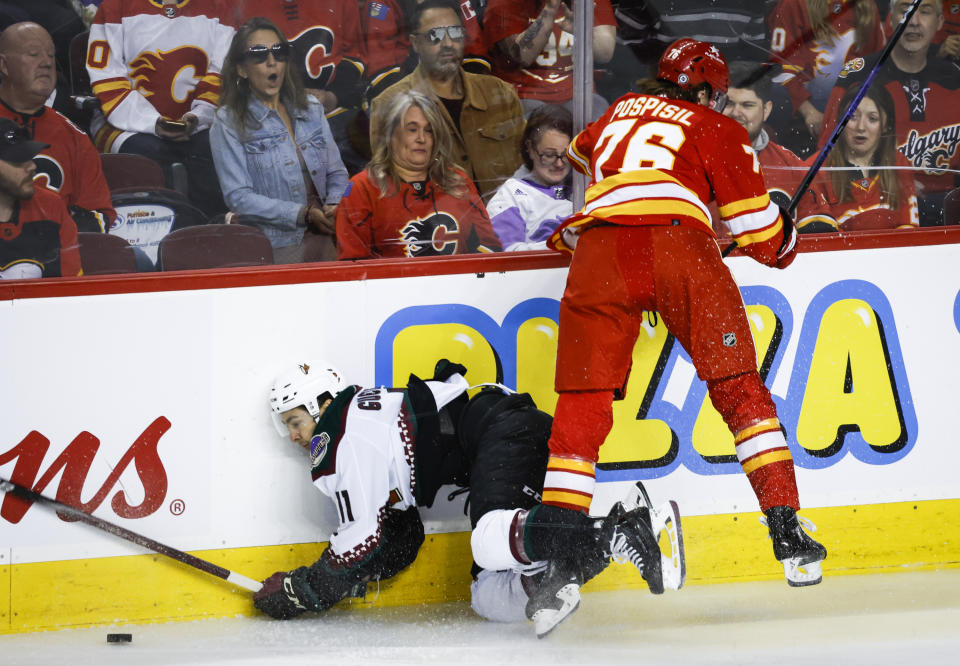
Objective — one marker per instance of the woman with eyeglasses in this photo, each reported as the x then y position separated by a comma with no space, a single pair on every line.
530,205
412,200
276,158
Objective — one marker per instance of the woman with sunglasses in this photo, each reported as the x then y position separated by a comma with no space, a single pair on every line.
412,200
530,205
276,158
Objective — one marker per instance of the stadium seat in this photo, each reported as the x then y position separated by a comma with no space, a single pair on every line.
103,254
214,246
125,171
79,78
145,216
951,207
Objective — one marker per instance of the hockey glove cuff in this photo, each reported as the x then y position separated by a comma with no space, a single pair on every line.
286,594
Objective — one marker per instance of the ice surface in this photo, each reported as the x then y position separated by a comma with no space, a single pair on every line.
897,618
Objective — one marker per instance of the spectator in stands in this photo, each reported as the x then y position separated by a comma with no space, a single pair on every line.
811,40
749,102
861,196
37,236
531,42
924,89
530,205
70,165
328,54
275,155
412,200
59,18
480,113
387,27
156,71
948,38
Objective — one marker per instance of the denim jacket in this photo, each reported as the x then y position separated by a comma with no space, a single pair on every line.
260,173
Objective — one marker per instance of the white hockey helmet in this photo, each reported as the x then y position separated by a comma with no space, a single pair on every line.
306,385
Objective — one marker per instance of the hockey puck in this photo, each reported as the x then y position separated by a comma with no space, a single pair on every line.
119,638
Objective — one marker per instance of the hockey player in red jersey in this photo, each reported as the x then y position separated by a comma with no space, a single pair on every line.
644,241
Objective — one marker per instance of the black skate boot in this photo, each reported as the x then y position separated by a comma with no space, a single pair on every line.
794,548
557,596
634,541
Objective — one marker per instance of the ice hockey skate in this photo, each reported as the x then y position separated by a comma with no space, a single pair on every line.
557,597
638,541
793,547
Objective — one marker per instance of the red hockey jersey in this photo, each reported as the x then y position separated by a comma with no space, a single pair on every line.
657,161
868,210
419,220
326,38
811,66
145,63
928,126
70,166
40,240
550,77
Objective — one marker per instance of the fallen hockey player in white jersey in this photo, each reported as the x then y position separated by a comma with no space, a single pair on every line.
380,453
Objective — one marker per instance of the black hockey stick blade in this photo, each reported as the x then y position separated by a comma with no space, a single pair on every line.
848,114
28,495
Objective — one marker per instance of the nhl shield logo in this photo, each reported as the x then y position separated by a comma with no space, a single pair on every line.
729,339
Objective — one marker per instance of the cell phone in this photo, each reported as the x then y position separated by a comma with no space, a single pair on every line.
172,124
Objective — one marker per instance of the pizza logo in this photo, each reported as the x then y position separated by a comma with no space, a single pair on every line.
168,78
851,67
432,236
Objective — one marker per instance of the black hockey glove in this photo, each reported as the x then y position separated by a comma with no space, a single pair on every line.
788,248
446,369
286,594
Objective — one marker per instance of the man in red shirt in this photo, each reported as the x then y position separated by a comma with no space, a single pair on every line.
37,236
69,165
646,243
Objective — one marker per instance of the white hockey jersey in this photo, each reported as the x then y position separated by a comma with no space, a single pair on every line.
148,60
362,457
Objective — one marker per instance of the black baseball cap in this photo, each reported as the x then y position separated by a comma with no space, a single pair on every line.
15,143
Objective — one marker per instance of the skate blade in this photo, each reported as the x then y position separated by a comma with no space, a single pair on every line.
666,520
546,620
801,575
637,497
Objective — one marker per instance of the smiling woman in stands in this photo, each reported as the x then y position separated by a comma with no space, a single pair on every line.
275,155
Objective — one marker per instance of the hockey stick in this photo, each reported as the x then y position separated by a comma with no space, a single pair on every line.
28,495
847,115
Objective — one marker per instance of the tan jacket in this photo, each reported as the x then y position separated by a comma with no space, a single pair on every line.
491,120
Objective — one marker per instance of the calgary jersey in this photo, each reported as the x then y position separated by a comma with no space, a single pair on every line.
810,66
144,64
70,166
363,457
928,127
869,208
419,220
658,161
326,38
384,24
40,240
550,77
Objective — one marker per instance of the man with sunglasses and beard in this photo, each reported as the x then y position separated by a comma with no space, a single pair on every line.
156,70
482,113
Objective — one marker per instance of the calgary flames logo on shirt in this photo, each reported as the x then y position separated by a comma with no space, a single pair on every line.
317,43
168,78
434,235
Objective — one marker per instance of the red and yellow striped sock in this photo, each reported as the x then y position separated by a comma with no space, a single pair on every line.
766,460
569,483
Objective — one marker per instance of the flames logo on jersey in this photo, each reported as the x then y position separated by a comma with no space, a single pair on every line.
431,236
933,151
50,173
314,47
168,78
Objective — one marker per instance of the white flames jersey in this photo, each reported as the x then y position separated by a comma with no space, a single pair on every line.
146,60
